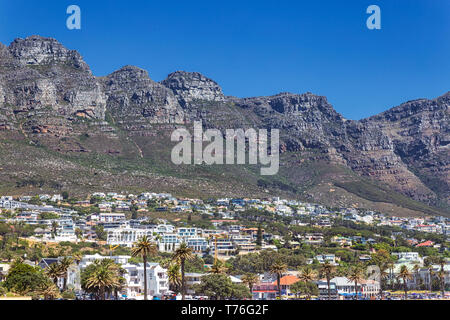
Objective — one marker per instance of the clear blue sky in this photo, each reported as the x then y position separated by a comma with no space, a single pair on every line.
254,48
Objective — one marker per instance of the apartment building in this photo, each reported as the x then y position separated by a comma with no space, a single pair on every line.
157,280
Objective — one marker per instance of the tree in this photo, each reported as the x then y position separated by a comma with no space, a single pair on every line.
405,275
327,269
144,248
383,267
382,259
121,281
77,257
64,265
49,290
307,274
196,264
68,295
215,286
65,195
100,277
48,216
174,275
23,278
134,214
250,279
3,290
34,254
356,274
180,255
54,229
416,273
218,267
240,292
78,233
278,268
5,230
429,265
259,236
54,271
101,233
306,288
441,275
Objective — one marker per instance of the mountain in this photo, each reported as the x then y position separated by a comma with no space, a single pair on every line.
62,128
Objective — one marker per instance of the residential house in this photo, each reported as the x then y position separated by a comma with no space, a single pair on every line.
157,280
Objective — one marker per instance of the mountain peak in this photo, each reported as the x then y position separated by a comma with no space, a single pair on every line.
129,76
131,72
190,86
38,50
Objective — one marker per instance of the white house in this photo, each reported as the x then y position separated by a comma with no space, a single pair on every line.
366,288
127,236
157,280
108,217
322,258
409,256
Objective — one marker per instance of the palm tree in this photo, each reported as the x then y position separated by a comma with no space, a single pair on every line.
250,279
356,274
429,265
54,228
307,274
174,275
117,274
166,263
382,259
328,270
180,255
218,267
383,275
278,268
53,271
49,290
144,248
416,274
64,265
121,281
102,279
78,233
441,275
77,257
405,275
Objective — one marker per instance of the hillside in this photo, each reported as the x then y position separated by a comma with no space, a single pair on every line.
62,128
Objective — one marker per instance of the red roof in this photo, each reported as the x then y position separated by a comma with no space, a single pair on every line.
428,243
287,280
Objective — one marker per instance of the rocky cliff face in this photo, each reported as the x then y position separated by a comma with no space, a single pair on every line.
49,95
39,51
420,134
44,86
134,99
191,86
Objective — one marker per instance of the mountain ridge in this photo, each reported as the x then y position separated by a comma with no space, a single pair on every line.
50,99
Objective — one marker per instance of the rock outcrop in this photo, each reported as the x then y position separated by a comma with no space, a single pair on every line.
134,99
36,50
193,86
